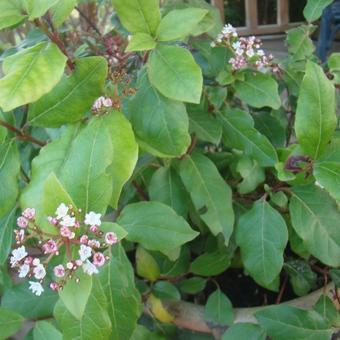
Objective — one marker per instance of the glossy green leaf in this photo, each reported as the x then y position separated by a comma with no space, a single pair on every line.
72,97
94,323
143,333
178,24
315,218
155,226
247,331
11,13
7,225
141,42
122,297
210,194
161,125
166,290
138,16
300,45
210,264
239,133
45,330
29,74
76,295
61,10
218,311
334,66
315,119
173,72
193,285
262,236
10,322
301,276
285,322
9,172
124,152
37,8
258,90
166,187
146,265
314,9
327,309
328,175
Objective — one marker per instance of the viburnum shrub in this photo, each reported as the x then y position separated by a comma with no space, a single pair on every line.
158,171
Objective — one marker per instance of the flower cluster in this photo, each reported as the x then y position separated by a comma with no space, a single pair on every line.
247,51
72,236
101,104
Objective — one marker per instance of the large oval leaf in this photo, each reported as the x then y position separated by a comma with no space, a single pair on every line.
72,96
174,73
29,74
316,219
155,226
262,235
10,322
210,194
314,9
315,119
7,225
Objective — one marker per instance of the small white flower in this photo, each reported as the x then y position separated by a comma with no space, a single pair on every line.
69,265
17,255
236,45
93,219
36,288
260,53
250,52
68,221
85,252
24,269
36,262
61,211
89,268
39,272
213,44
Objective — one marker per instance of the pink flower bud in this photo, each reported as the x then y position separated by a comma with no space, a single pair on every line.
59,271
79,263
22,222
98,259
77,224
52,220
29,260
29,213
93,228
54,286
93,243
65,232
111,238
50,247
84,239
69,265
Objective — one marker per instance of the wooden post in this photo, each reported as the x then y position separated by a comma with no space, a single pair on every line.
251,15
219,4
283,13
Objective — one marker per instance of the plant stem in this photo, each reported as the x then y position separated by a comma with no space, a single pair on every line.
82,14
282,290
21,135
142,195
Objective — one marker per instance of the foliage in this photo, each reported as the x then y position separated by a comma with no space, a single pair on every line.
195,155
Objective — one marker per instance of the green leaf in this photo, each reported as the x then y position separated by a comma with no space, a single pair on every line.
166,187
141,42
166,290
218,311
247,331
72,97
328,175
334,66
300,45
123,299
21,300
193,286
61,10
252,175
210,194
94,323
146,265
178,24
29,74
9,172
315,218
258,90
138,16
302,278
173,72
75,295
161,125
124,152
45,330
239,133
37,8
205,125
155,226
314,9
285,322
90,156
7,225
335,276
209,264
326,308
315,119
262,236
143,333
11,13
10,323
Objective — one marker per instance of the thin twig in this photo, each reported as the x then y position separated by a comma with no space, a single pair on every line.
21,135
87,19
282,290
142,195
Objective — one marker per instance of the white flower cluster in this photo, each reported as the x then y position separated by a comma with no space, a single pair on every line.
101,104
247,51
